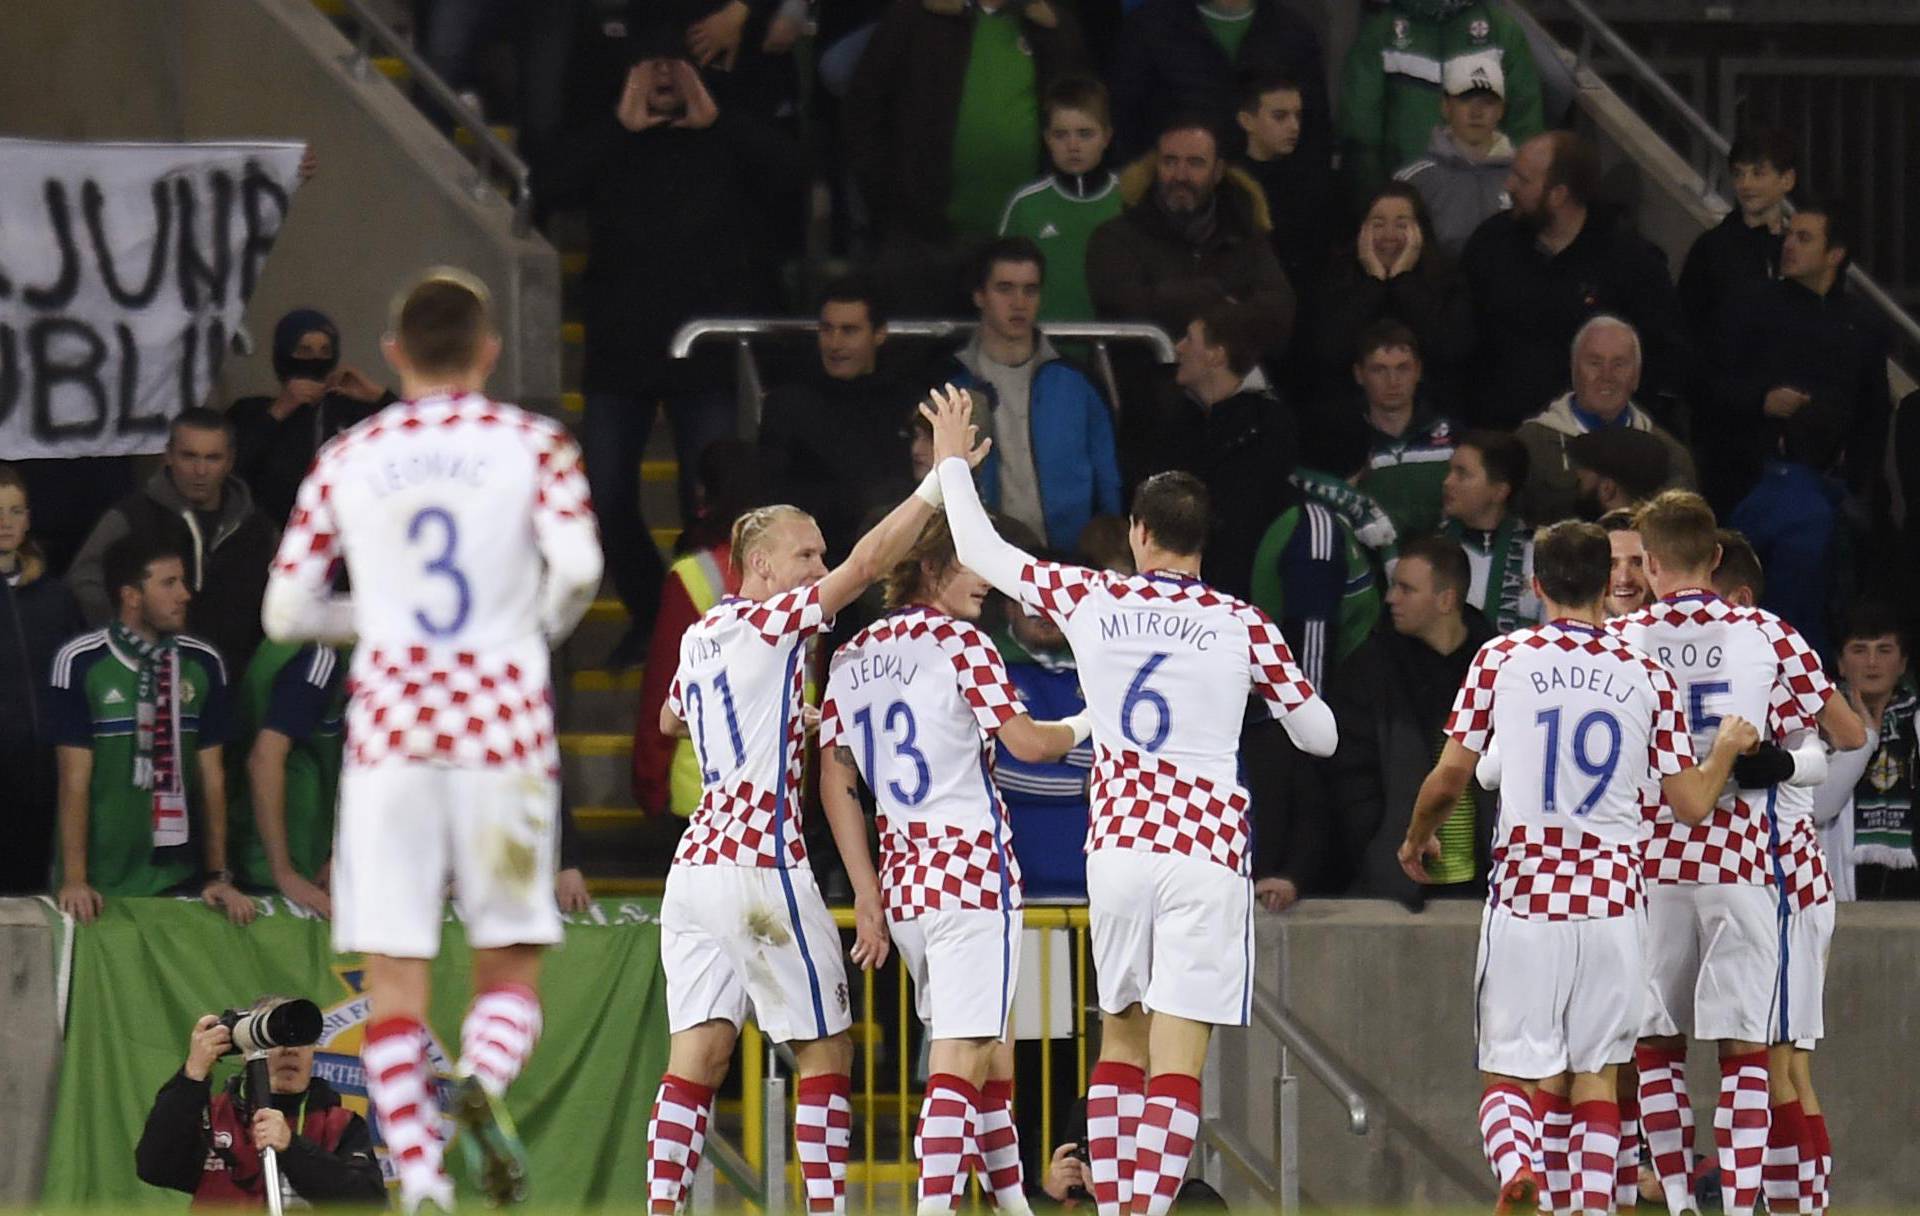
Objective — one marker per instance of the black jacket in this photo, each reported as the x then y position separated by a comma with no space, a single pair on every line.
837,449
37,616
1831,347
682,225
226,562
272,456
175,1144
904,106
1244,448
1391,699
1528,304
1168,62
1726,262
1431,299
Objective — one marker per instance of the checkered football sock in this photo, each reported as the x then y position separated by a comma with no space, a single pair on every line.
1553,1121
1666,1122
1163,1146
822,1132
1506,1130
1740,1129
498,1035
1823,1159
676,1134
999,1146
1626,1174
1595,1153
1116,1095
1780,1168
943,1142
400,1087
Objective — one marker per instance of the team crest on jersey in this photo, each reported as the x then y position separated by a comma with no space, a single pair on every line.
1402,33
187,693
1026,48
1478,29
336,1059
1047,230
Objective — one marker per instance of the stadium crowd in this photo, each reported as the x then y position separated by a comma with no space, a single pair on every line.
1407,331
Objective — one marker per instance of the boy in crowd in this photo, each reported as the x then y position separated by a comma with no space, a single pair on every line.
1060,211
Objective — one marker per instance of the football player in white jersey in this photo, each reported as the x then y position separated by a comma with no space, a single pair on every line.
465,527
1588,726
1794,1177
1167,664
1714,947
914,703
742,924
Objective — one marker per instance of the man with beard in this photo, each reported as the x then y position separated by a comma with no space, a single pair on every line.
1542,270
1627,587
1195,239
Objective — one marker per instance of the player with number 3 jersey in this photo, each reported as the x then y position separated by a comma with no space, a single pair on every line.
465,527
1168,665
1589,729
742,924
914,703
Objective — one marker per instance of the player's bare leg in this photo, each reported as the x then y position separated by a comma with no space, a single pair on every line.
1594,1146
823,1119
697,1060
400,1081
1553,1142
496,1039
1116,1096
1741,1123
1170,1120
1510,1138
1821,1156
1626,1179
945,1139
1666,1117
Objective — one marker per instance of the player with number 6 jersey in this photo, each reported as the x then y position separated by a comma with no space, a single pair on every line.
1713,929
1590,731
914,703
1168,665
742,924
465,528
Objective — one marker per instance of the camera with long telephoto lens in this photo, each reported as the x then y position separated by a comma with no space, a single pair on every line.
281,1023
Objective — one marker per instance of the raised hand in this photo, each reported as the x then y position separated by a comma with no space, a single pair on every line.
701,111
950,410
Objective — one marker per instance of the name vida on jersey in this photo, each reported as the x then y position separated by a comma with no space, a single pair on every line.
1189,630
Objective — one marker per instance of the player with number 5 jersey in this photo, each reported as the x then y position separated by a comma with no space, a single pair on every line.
1590,731
465,528
742,924
1168,665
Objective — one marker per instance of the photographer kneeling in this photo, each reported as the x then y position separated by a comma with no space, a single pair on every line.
209,1144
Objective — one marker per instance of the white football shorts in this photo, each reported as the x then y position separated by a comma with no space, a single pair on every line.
964,963
1171,932
1713,961
1554,996
405,830
1803,976
740,938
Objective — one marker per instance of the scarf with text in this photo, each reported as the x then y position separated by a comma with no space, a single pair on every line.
156,730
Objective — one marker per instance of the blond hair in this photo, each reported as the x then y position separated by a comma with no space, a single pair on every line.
1678,529
750,531
908,581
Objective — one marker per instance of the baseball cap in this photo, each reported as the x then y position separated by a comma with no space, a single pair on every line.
1470,73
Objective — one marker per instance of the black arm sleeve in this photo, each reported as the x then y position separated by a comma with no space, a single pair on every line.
348,1174
171,1150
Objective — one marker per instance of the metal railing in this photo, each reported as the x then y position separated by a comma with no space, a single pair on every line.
743,330
1708,147
370,32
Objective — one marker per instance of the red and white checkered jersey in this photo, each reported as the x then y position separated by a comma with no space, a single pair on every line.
1167,663
1587,726
917,697
1727,660
441,509
739,688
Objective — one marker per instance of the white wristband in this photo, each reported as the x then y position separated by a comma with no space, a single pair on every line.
1081,725
929,489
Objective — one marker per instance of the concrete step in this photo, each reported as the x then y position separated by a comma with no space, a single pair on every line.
393,68
507,135
596,767
601,701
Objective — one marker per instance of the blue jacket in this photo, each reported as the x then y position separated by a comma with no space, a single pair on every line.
1072,436
1047,801
1790,518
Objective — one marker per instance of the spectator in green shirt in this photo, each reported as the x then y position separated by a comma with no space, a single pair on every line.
1410,444
1060,211
140,713
291,706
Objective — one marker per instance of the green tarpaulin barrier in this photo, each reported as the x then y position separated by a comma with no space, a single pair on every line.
149,967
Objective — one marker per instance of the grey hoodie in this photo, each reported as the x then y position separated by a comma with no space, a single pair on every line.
1459,192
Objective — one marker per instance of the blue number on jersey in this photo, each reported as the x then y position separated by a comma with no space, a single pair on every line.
696,710
1699,721
1139,694
903,748
444,567
1600,770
